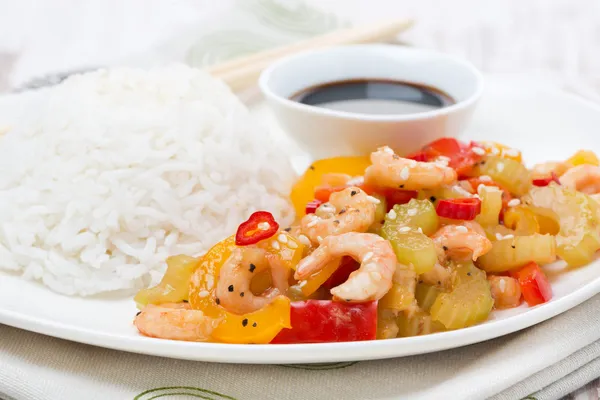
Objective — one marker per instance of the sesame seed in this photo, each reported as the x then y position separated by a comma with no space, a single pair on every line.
485,178
210,281
203,293
367,256
319,239
386,149
500,167
230,288
419,230
373,200
376,275
495,151
292,245
404,174
304,240
263,226
412,212
356,181
514,203
312,223
275,245
282,238
509,236
392,215
498,236
478,150
302,283
404,229
461,228
443,158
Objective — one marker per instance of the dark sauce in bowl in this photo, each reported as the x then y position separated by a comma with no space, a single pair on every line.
374,96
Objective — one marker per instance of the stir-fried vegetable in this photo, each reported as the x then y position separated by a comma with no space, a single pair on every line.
468,304
577,215
411,248
534,284
387,324
416,214
401,295
465,209
491,205
509,173
173,287
426,295
260,226
510,253
583,157
522,220
417,324
315,321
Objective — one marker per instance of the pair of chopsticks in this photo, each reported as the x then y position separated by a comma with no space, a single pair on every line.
243,72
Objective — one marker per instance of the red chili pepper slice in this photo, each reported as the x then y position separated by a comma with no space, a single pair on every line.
465,209
546,181
260,226
325,321
534,284
312,206
397,196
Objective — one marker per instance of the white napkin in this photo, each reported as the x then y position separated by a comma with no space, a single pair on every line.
546,362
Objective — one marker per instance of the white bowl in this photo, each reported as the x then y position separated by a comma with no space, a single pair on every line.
325,132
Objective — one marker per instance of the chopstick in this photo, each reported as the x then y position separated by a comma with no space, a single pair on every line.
243,72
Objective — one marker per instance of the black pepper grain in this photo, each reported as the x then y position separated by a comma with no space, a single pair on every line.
439,282
343,210
312,167
335,221
217,301
420,281
252,267
513,246
401,186
245,322
347,299
185,301
254,325
383,221
288,229
468,274
396,157
445,248
432,199
241,294
138,313
230,288
353,193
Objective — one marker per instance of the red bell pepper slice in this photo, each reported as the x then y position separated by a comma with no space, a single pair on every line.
465,208
324,321
347,266
396,196
534,284
260,226
312,206
546,181
460,156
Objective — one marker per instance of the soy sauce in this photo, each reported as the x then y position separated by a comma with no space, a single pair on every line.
374,96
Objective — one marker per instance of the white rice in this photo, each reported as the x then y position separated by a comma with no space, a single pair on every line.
119,169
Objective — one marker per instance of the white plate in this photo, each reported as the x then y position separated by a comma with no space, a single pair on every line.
544,124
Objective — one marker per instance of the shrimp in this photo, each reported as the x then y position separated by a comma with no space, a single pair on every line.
584,178
391,170
438,276
544,170
175,321
233,287
459,242
506,291
374,277
350,210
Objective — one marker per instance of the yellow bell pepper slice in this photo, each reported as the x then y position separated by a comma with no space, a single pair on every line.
173,287
288,248
314,282
260,326
583,157
522,220
303,191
